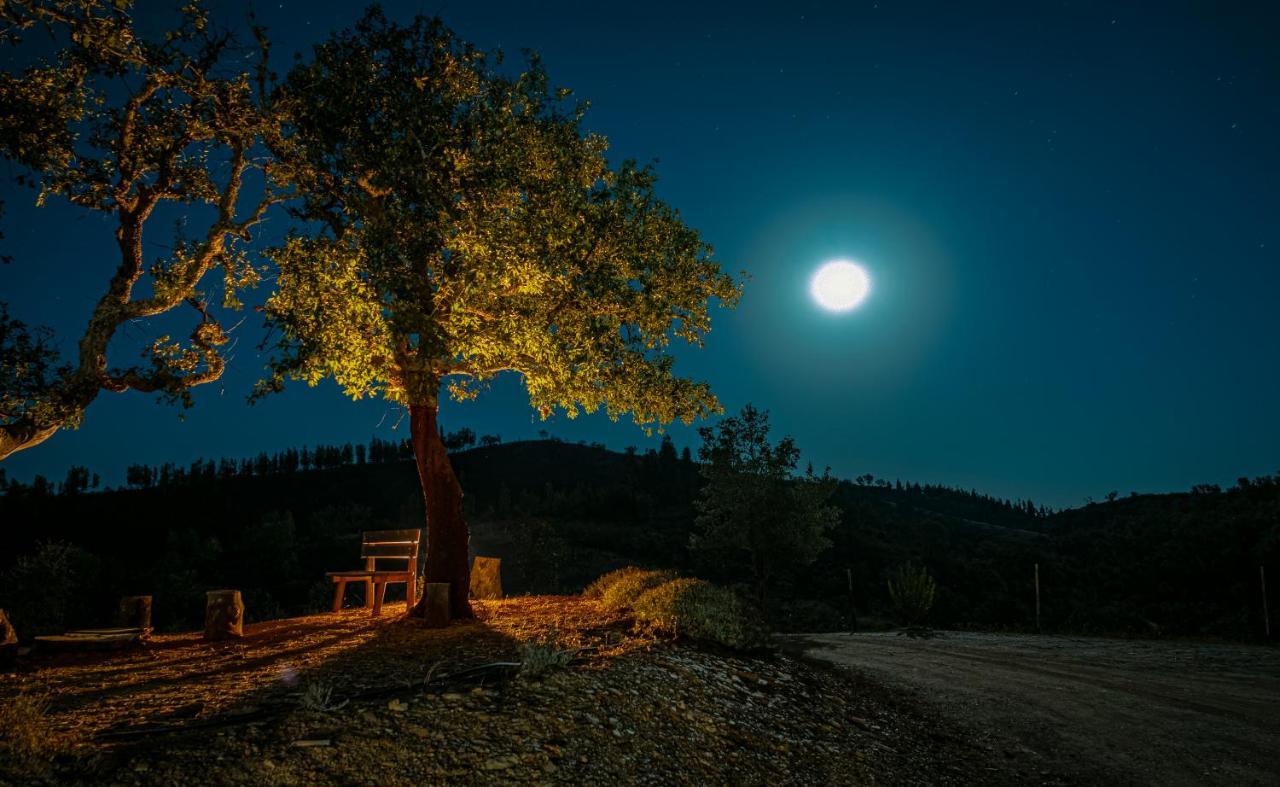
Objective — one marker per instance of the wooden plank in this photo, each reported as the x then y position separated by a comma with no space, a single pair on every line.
87,642
378,536
405,550
386,576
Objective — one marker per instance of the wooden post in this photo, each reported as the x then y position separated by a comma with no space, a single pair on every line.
223,615
1266,614
853,611
435,613
8,641
135,613
486,578
1037,598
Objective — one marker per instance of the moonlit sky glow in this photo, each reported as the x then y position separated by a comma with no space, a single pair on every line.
840,285
1069,212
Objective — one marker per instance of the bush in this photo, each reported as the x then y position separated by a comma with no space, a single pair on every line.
26,736
597,588
701,611
911,590
542,658
623,593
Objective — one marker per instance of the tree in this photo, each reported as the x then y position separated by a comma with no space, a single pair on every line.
463,438
467,227
119,125
754,506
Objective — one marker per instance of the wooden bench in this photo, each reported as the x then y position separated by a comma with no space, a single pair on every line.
384,545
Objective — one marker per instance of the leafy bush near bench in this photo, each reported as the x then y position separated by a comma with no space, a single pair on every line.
619,589
605,581
624,593
701,611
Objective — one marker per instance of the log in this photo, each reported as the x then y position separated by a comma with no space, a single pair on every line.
486,578
135,613
435,612
223,615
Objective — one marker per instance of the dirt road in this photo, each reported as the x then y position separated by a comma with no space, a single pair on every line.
1091,710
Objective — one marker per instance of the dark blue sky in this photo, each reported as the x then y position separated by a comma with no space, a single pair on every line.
1069,214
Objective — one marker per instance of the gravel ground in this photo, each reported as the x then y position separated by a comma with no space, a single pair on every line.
1090,709
340,699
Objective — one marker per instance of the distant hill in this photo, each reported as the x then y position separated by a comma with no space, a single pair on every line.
561,513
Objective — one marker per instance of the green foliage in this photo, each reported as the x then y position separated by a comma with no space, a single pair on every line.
184,133
540,658
468,227
601,584
701,611
29,373
754,509
911,591
623,592
42,590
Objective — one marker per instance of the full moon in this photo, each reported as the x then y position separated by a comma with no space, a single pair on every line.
840,285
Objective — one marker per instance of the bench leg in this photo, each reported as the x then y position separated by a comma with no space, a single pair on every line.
339,590
368,593
410,589
377,598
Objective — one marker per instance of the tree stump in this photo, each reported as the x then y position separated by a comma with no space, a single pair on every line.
8,640
135,613
435,612
486,578
223,615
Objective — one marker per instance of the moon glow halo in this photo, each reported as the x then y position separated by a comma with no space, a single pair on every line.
840,285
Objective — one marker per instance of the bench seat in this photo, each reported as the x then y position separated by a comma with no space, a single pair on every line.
378,545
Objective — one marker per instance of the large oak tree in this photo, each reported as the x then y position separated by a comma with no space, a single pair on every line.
465,227
117,125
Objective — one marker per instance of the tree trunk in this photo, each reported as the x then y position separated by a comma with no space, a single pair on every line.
447,560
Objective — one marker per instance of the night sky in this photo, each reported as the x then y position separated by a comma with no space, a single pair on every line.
1069,216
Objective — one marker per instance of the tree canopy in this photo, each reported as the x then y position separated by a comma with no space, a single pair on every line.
119,125
467,226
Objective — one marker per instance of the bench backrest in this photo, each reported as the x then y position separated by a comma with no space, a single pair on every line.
390,545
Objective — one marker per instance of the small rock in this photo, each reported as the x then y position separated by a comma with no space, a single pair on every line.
499,763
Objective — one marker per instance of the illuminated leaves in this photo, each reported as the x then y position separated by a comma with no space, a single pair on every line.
117,124
469,227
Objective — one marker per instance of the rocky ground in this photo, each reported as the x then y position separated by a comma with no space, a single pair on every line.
349,699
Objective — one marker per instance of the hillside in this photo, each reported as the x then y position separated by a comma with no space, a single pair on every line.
560,514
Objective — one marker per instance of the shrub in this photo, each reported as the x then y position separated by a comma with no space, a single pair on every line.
701,611
597,588
319,697
542,658
623,593
911,590
26,736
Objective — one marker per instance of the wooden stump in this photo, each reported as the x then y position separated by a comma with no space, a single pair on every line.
486,578
223,615
8,640
134,613
435,613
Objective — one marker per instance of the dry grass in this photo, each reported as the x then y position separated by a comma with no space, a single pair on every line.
26,734
178,678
